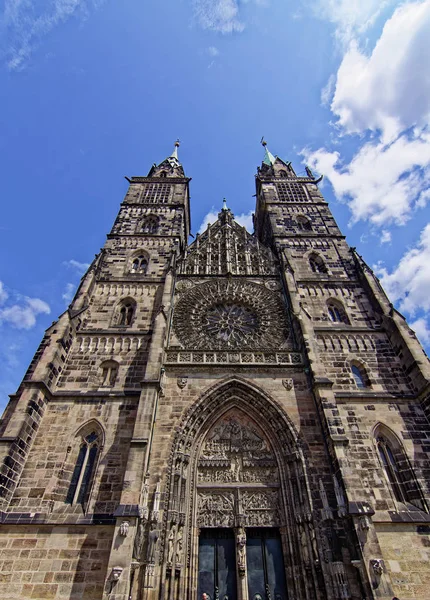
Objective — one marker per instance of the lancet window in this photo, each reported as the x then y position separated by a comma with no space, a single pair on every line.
150,225
125,312
360,376
317,264
337,313
109,372
83,471
139,264
398,471
303,224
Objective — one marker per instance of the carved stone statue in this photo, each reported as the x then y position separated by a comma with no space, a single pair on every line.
152,543
241,550
179,545
170,544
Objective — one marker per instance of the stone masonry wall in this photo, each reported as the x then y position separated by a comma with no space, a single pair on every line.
47,472
47,563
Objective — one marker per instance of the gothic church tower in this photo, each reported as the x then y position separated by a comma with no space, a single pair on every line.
242,418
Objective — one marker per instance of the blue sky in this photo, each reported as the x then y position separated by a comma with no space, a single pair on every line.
93,90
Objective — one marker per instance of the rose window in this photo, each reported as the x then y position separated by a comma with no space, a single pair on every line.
223,314
229,322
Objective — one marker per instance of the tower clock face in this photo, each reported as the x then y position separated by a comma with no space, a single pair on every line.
230,314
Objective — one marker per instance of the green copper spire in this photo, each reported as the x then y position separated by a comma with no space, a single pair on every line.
269,159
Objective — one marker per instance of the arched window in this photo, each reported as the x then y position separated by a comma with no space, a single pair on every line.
139,264
109,372
398,471
83,472
337,313
126,310
163,174
317,264
360,376
150,225
283,173
303,224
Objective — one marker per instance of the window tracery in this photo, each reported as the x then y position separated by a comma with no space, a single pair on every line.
139,264
337,313
303,224
317,264
398,471
125,312
83,471
150,225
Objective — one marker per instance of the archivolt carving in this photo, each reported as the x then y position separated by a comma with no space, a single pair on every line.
230,314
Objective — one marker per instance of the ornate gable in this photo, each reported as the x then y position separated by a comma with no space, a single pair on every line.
227,248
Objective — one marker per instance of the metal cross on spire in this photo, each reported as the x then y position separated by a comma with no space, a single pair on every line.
269,159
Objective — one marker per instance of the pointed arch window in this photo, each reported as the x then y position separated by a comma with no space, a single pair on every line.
283,173
83,472
337,313
139,264
150,225
303,224
398,472
109,373
126,310
360,376
317,264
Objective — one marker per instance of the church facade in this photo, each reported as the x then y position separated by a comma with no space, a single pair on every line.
245,417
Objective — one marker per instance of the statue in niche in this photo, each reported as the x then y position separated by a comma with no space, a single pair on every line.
236,468
152,543
179,546
170,544
241,550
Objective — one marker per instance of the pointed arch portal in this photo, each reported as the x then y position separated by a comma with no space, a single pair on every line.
238,502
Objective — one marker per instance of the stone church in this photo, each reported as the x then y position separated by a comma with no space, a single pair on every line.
245,417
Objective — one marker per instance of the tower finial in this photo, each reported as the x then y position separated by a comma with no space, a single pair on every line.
224,204
269,159
175,150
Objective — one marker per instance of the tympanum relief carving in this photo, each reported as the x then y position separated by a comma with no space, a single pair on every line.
236,457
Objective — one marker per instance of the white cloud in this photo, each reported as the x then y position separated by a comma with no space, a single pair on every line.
245,219
382,183
210,217
386,95
350,17
212,51
327,91
421,328
78,267
409,282
218,15
388,91
385,236
23,316
222,16
23,23
23,312
3,293
69,292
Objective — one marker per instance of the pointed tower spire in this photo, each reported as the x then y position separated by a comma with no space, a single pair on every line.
175,150
269,159
224,204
